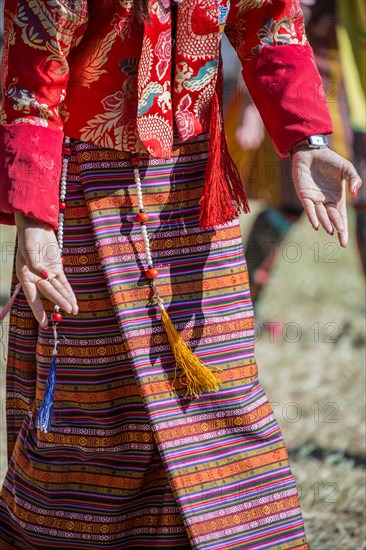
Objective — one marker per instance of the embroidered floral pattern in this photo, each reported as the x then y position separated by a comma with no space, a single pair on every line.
185,118
122,24
277,33
163,50
161,8
25,101
44,33
246,5
117,114
91,63
121,99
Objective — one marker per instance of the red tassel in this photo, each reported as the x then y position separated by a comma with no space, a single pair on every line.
223,192
216,204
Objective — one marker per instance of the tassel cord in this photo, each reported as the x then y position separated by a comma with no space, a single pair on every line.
45,412
196,376
46,408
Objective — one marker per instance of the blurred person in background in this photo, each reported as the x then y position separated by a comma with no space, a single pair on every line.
336,31
351,35
115,170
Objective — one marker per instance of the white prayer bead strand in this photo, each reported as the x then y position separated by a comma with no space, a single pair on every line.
142,217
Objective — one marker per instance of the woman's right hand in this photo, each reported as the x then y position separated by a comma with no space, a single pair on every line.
38,251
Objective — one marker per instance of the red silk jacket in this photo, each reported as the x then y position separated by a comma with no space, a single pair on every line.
88,69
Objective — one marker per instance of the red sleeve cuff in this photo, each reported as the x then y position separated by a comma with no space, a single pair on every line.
30,169
287,89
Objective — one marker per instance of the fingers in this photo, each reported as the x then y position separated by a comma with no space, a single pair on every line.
34,301
343,235
353,179
61,285
337,215
323,217
38,251
330,216
309,207
54,291
334,216
321,189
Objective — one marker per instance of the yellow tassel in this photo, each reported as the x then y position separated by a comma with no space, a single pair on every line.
198,377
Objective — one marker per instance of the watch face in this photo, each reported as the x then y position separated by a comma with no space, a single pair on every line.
317,141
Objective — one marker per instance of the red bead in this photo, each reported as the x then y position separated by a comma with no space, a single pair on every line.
56,317
135,161
151,273
66,151
44,274
62,206
142,217
62,261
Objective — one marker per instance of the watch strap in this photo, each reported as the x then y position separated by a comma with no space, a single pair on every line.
317,141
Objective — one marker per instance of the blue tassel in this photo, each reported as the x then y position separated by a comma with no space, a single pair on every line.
45,411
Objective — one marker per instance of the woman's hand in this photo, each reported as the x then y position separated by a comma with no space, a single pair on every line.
250,134
319,176
38,251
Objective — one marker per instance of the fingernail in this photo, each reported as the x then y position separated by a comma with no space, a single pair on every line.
44,327
316,228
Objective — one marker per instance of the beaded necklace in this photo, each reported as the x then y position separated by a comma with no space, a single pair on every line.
45,411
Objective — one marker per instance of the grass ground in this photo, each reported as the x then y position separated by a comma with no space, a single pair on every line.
314,377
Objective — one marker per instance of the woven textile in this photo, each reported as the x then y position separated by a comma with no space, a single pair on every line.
130,460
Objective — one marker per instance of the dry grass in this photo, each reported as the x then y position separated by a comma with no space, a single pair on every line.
314,375
316,384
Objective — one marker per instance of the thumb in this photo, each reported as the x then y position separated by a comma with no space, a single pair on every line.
350,174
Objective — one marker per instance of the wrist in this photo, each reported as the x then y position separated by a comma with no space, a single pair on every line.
317,141
22,220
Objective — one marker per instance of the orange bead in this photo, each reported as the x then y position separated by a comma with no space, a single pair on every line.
151,273
142,217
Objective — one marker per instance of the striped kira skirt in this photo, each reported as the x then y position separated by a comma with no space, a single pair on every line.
131,462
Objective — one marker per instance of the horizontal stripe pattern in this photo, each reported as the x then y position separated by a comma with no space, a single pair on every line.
131,460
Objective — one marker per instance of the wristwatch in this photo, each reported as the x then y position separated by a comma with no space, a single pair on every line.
317,141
